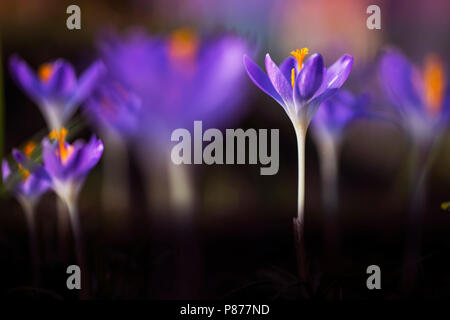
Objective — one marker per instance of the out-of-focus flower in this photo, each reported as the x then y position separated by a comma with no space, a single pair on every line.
179,78
68,164
421,95
328,125
55,87
31,181
298,88
113,107
336,113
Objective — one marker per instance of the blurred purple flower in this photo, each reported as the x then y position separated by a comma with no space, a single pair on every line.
421,97
68,165
179,78
337,112
55,88
298,88
112,107
32,180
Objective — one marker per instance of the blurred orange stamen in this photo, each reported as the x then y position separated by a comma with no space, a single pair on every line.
45,72
183,45
434,83
29,148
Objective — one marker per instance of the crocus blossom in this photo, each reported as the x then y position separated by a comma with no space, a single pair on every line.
55,87
112,107
179,78
32,180
68,164
300,88
420,94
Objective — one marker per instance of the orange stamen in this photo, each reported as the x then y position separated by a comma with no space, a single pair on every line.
64,151
183,45
434,83
29,148
299,55
45,71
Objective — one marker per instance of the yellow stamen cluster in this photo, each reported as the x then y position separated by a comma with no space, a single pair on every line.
64,151
299,55
45,72
434,83
183,45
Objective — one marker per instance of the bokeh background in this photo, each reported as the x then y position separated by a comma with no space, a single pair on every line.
239,240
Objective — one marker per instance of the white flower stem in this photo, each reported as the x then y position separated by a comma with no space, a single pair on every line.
28,208
180,190
78,243
300,132
328,153
63,227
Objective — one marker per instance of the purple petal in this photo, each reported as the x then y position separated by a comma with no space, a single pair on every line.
260,79
279,81
19,156
396,76
26,78
87,82
287,66
52,163
316,101
62,80
310,77
36,184
6,171
338,72
83,159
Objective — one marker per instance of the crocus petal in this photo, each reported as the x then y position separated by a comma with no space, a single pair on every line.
310,77
260,79
396,75
62,81
51,161
314,104
26,78
87,82
6,171
338,72
279,81
287,66
83,159
19,156
94,151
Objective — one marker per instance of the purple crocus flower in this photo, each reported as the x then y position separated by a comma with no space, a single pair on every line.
55,88
68,164
112,107
421,95
179,78
298,88
32,180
